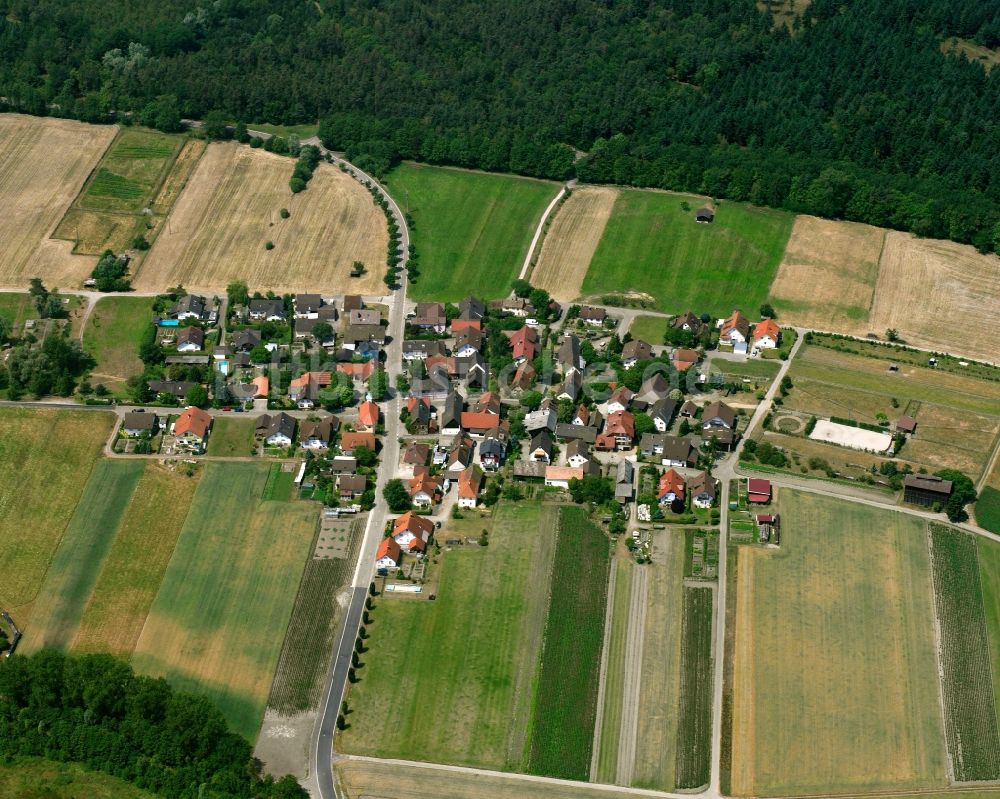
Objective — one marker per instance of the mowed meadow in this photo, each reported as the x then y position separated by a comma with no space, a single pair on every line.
231,207
471,229
834,674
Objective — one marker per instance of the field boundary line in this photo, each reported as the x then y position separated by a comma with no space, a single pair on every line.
608,620
539,231
949,764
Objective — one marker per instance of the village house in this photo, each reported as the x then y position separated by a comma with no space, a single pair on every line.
412,532
277,430
190,306
574,432
471,309
459,325
540,447
570,387
353,302
140,423
351,486
684,359
543,418
368,415
307,306
593,315
342,464
468,342
525,377
388,556
364,317
470,482
416,454
568,354
634,351
317,434
358,372
688,322
702,490
419,411
459,456
624,481
689,410
513,306
267,311
581,416
175,388
735,330
479,423
523,344
304,390
671,489
560,476
246,340
670,450
718,415
766,336
190,339
492,452
620,400
662,413
429,316
450,417
425,490
578,453
191,428
351,440
417,350
621,425
364,340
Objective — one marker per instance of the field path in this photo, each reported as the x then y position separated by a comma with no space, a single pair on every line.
633,678
538,233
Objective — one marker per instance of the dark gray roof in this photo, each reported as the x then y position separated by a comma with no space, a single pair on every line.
927,482
189,303
529,469
663,409
175,387
268,426
139,420
451,413
246,339
424,349
267,308
308,303
355,333
576,432
541,440
569,351
471,308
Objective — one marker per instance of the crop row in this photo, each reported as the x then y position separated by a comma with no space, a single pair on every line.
970,705
694,721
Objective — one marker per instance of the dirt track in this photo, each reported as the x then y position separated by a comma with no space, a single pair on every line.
631,694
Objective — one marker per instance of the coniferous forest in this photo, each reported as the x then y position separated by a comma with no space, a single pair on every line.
851,112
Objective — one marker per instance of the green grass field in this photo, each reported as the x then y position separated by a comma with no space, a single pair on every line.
219,618
614,679
562,733
50,455
73,572
652,245
15,308
231,436
650,329
834,655
989,576
131,171
694,724
988,509
112,336
135,563
469,657
756,368
471,229
970,704
35,778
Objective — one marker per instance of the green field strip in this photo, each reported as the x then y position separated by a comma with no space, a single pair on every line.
219,618
652,244
614,678
80,555
694,722
471,229
971,725
469,657
988,509
565,710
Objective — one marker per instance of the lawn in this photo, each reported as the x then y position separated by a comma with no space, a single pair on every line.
656,742
50,454
452,681
136,561
694,724
752,368
231,436
112,336
471,229
614,679
35,778
653,245
969,701
219,619
650,329
73,572
834,656
562,730
16,308
988,509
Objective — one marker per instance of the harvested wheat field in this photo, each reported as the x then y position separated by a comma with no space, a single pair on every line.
230,209
571,241
43,165
935,292
827,278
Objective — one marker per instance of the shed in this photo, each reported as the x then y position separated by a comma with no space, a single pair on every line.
704,215
906,424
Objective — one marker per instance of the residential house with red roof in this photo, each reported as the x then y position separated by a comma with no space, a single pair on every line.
470,482
412,532
671,488
388,555
368,415
735,329
621,425
766,336
191,429
523,344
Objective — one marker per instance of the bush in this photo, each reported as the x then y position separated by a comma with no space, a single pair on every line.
269,245
284,213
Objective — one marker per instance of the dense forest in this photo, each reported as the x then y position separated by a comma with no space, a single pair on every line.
94,711
852,112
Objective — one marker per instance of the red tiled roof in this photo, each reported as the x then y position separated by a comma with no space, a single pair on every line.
469,482
388,547
620,423
193,420
349,440
368,414
672,482
361,371
767,328
478,421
